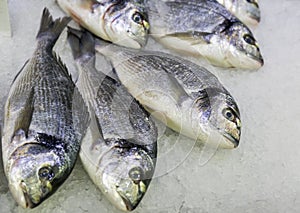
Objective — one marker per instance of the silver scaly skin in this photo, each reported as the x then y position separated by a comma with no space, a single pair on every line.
191,99
42,133
246,10
206,28
119,149
124,22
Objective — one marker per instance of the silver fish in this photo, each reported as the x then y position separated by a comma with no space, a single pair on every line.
123,22
192,100
206,28
246,10
119,149
44,122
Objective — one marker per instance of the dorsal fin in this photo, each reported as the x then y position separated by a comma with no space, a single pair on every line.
62,65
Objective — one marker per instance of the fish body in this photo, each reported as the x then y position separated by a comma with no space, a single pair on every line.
206,28
191,99
119,149
122,22
42,134
246,10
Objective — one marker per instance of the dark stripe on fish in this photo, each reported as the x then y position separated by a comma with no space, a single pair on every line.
202,103
51,141
114,7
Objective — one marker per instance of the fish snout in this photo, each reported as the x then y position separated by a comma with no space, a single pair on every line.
131,201
30,201
21,195
233,134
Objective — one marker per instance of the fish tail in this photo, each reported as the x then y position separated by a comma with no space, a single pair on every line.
51,29
82,44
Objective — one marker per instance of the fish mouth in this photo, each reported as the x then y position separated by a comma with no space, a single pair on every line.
132,41
254,16
28,201
258,59
131,202
129,205
139,37
234,141
141,41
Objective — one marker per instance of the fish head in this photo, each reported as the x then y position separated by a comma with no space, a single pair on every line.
224,117
127,176
34,171
242,48
248,11
129,27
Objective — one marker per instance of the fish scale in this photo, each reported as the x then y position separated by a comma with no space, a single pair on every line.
189,98
44,122
123,22
53,98
204,28
216,16
119,150
111,108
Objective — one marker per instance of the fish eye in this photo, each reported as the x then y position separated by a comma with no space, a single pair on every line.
228,114
137,18
46,173
136,174
249,39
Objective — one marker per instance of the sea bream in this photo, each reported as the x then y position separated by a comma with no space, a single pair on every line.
119,149
189,98
124,22
246,10
45,119
204,28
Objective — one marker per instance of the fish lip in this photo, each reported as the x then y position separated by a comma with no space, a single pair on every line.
140,40
258,59
28,202
232,139
254,17
128,204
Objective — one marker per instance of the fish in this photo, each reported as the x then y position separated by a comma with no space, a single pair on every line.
45,119
204,28
247,11
185,96
124,22
119,150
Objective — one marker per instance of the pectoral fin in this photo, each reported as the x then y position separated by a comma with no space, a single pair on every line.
19,111
180,92
192,37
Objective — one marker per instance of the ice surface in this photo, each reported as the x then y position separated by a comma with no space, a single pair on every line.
262,175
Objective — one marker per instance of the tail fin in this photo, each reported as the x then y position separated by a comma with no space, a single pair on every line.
51,29
82,44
